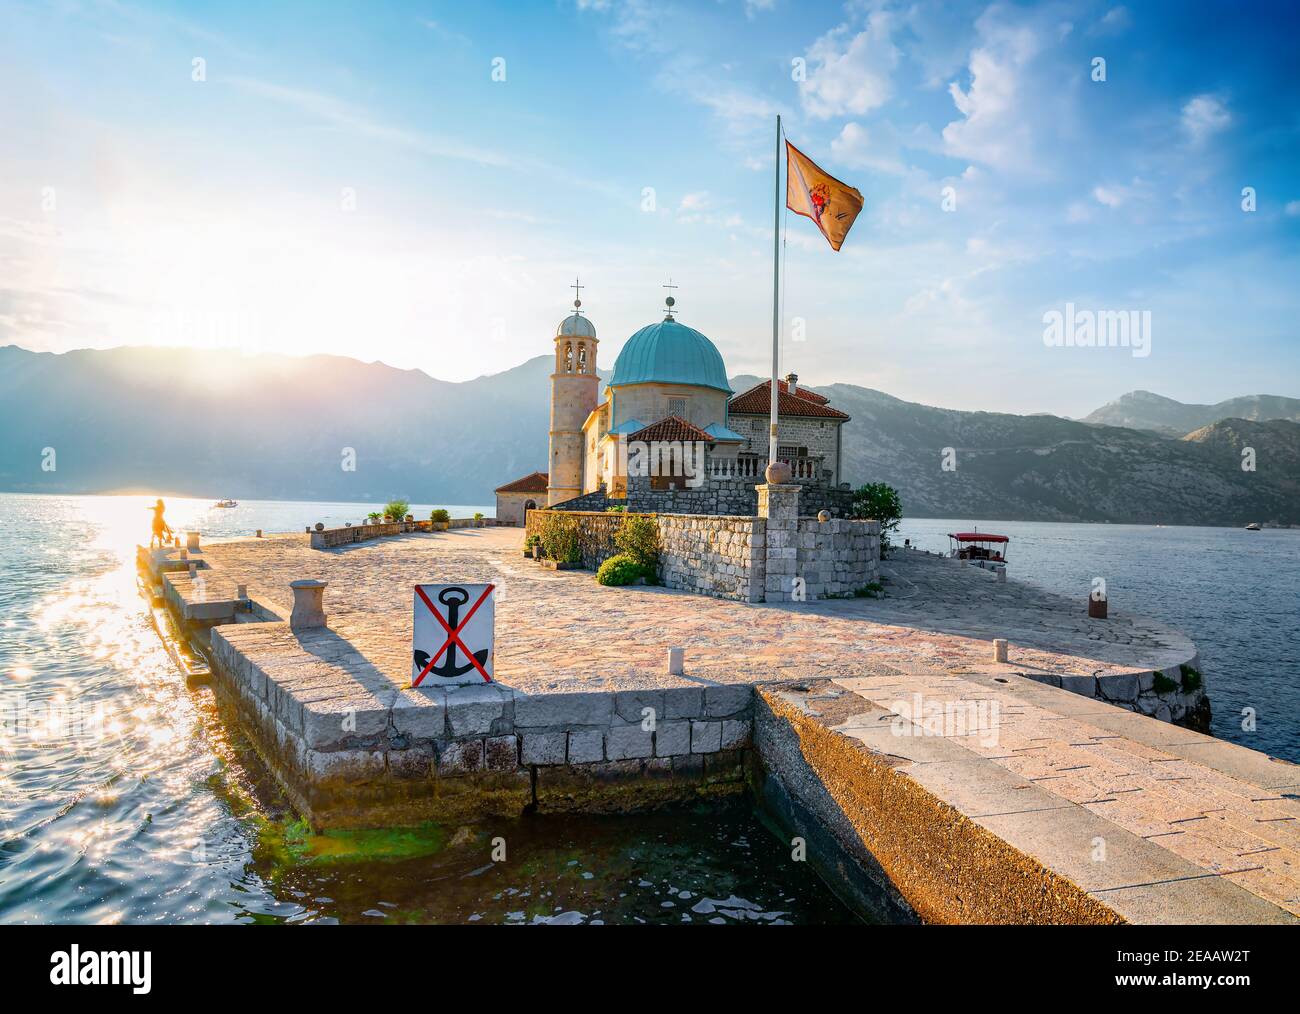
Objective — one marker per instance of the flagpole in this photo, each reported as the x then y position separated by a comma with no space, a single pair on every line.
776,293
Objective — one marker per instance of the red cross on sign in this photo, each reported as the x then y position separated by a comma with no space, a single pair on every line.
452,636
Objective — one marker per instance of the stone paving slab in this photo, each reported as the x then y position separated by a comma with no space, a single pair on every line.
1213,809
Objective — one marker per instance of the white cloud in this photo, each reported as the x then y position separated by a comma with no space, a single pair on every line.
694,201
1111,196
1115,21
995,128
753,7
1204,116
849,72
877,148
1292,208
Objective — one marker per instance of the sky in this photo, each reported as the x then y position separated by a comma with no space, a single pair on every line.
419,183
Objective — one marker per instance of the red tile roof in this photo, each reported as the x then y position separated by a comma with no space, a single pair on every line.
800,392
535,483
671,427
758,401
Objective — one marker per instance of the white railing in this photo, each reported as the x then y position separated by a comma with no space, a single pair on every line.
751,466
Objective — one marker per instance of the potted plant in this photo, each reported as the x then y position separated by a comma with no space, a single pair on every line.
532,545
441,519
478,519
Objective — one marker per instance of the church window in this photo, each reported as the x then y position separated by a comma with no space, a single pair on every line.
582,358
568,357
677,407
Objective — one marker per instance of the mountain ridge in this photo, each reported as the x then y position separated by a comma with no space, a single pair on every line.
213,423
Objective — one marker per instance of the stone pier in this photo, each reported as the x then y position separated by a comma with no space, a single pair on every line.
932,781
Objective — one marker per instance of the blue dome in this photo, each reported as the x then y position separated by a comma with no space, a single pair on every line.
670,353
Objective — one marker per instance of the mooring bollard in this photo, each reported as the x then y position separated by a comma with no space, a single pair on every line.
308,604
241,591
1096,607
259,533
676,661
999,649
192,541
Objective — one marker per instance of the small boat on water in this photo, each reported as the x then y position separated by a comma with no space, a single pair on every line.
979,547
226,503
1253,526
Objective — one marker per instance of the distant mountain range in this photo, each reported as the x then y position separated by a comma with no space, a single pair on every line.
213,423
1142,410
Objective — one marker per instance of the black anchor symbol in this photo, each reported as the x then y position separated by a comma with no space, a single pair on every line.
453,599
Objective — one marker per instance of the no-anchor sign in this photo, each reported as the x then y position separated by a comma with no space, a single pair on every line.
452,635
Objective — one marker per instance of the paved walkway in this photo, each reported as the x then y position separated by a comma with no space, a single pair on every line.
559,630
1229,812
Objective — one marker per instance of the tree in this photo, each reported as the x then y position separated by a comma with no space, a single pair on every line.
879,502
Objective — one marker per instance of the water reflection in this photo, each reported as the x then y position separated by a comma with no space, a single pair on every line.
123,800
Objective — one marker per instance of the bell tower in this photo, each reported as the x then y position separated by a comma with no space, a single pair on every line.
574,387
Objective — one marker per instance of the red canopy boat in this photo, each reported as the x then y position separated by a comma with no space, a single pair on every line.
979,546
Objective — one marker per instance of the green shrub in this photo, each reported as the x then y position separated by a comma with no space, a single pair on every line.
478,515
1163,684
397,509
619,570
878,501
532,540
1191,679
374,516
615,509
560,538
870,590
639,538
440,514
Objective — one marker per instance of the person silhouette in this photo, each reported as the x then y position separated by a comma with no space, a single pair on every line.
160,526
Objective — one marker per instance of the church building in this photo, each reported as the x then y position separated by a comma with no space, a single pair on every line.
669,388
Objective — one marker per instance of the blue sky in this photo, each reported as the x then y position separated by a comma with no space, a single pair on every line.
351,179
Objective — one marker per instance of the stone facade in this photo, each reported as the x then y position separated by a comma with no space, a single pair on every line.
720,556
512,507
821,437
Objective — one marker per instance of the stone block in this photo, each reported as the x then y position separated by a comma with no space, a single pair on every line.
586,746
544,748
672,738
1085,685
329,723
628,704
735,733
472,709
683,702
460,757
706,737
727,700
347,765
501,753
420,713
564,710
624,742
1123,687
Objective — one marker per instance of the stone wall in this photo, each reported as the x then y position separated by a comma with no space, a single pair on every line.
776,556
595,530
710,555
716,496
331,537
399,756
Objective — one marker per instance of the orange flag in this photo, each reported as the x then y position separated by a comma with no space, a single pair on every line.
814,194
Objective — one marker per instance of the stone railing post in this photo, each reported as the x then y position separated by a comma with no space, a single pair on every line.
778,503
308,604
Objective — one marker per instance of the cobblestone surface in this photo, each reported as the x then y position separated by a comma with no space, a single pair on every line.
1229,812
560,631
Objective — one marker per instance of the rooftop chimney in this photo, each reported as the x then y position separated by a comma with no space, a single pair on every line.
792,382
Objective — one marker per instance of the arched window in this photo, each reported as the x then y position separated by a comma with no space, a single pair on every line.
582,357
530,505
568,357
